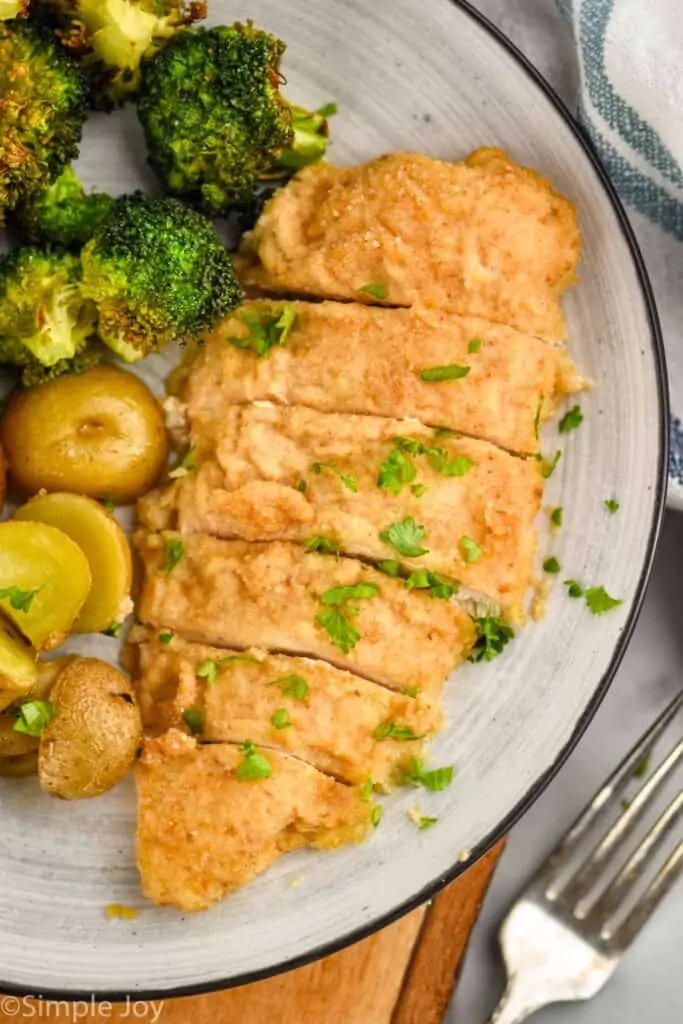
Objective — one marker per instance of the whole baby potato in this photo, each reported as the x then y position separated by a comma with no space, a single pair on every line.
19,766
13,743
3,477
92,740
99,433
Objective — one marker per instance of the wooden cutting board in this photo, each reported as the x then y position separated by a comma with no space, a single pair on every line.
402,975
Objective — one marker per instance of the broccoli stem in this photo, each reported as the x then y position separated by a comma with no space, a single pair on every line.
311,135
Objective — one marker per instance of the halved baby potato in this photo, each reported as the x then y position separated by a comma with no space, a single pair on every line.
18,666
103,543
44,581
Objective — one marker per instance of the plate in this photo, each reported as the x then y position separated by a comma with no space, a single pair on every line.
432,77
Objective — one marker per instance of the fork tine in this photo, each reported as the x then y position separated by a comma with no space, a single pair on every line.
588,873
615,784
661,885
604,905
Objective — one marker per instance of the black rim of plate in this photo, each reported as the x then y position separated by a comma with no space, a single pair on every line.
532,794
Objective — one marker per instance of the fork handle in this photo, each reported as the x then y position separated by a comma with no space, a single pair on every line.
515,1005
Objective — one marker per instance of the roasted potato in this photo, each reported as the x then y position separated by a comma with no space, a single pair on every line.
99,433
103,543
18,667
3,477
19,766
13,743
44,581
91,742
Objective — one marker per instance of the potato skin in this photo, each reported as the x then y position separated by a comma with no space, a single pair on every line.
20,766
99,433
92,741
3,477
12,743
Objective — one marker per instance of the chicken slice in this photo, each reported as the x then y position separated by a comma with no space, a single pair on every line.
277,596
276,473
307,708
484,237
204,829
344,357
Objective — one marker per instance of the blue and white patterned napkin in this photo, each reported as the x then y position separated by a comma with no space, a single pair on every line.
630,100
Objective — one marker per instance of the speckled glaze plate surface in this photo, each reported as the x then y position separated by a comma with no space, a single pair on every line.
407,74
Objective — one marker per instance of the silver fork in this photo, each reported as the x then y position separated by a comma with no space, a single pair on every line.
564,936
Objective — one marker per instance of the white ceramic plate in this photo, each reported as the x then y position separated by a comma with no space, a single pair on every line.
425,75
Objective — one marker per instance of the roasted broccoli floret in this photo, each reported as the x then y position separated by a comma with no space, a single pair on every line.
33,372
112,37
215,120
157,272
63,214
42,110
14,9
45,320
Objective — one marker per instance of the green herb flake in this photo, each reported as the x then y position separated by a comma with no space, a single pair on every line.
302,486
599,601
109,505
323,545
34,715
113,630
173,552
336,596
557,516
444,432
328,110
571,420
266,332
377,812
254,765
419,489
471,551
574,589
347,480
165,638
643,766
280,719
292,686
548,466
20,600
405,536
611,505
537,418
366,790
334,616
376,291
188,464
395,731
493,635
341,632
194,720
437,585
436,779
208,670
425,823
396,471
389,567
412,691
552,566
439,374
474,345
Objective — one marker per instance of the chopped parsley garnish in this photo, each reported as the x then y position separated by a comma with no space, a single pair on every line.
187,464
537,418
348,481
471,551
113,630
341,632
194,720
334,616
34,715
328,110
548,465
418,490
302,486
443,432
557,516
599,601
396,471
254,765
280,719
366,790
405,536
20,600
412,691
208,670
377,291
458,465
435,780
571,420
336,596
173,552
493,635
437,585
165,638
377,812
424,823
474,345
109,505
551,565
389,567
323,545
267,331
292,686
439,374
395,731
612,506
574,589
